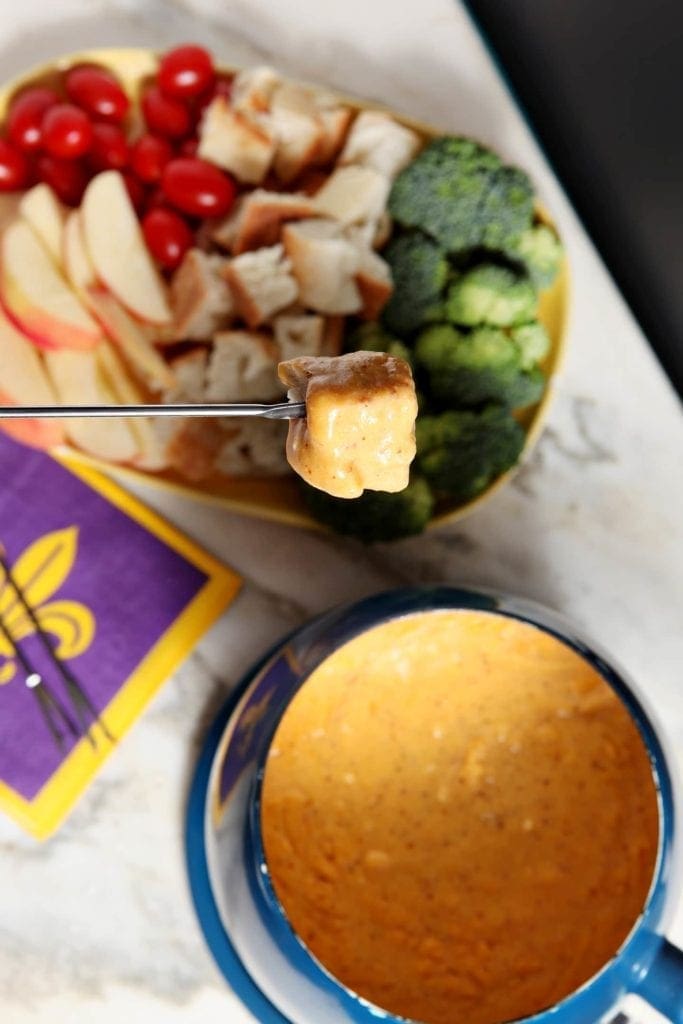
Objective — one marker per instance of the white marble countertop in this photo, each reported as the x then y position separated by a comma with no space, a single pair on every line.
97,924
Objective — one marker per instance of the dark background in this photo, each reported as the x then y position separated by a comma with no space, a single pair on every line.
602,84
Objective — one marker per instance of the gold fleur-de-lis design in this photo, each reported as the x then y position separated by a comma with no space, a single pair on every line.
40,571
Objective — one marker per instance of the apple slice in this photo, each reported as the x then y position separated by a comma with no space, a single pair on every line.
117,249
37,297
82,276
131,339
41,209
78,380
77,263
23,381
151,455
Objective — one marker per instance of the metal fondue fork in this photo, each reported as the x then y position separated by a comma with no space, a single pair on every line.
279,411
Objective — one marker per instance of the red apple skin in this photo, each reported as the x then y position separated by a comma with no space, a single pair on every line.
37,340
42,330
42,434
26,383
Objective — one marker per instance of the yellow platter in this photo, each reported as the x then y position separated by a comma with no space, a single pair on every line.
278,498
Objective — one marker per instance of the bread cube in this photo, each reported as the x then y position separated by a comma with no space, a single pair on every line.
201,299
261,283
333,118
334,121
371,234
293,120
324,264
259,218
253,447
190,446
189,370
374,282
252,89
353,195
242,368
236,142
379,142
298,335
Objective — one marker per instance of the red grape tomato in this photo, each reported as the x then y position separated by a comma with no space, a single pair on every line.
98,92
167,236
67,131
197,187
185,72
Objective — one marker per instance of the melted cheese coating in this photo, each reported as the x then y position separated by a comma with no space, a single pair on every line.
359,430
459,818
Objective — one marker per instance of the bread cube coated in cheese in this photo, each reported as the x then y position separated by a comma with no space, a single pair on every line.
359,428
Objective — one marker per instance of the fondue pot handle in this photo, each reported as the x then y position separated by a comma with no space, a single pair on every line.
662,985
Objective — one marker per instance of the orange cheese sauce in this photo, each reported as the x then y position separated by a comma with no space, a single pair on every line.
459,818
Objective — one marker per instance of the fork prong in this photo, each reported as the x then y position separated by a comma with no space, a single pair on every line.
47,700
44,705
80,699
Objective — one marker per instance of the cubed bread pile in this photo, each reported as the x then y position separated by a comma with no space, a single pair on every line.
297,254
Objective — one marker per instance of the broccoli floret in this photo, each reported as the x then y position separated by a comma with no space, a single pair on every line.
376,515
461,194
489,294
371,337
470,368
461,452
419,270
507,207
540,250
533,343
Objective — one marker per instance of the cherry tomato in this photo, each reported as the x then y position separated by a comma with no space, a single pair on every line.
25,118
167,236
68,178
136,191
109,150
189,146
148,156
197,187
14,169
185,72
165,116
98,93
67,131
